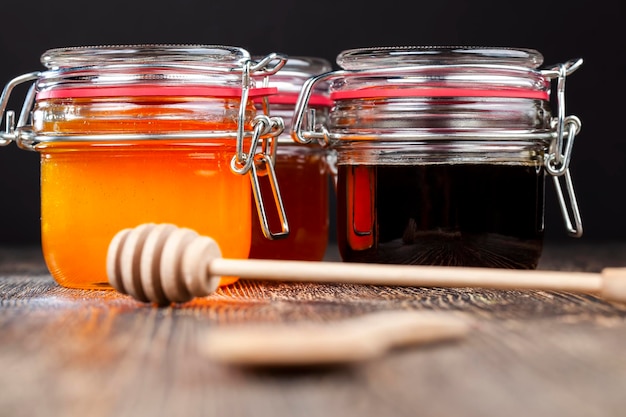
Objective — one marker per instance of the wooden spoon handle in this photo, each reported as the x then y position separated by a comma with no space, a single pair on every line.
345,341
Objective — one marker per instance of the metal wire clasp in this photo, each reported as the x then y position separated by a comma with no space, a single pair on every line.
560,151
312,131
19,132
264,137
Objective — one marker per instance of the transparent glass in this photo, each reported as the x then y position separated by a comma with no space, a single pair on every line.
207,56
130,135
440,155
389,57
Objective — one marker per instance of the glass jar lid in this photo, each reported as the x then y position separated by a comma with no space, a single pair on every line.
131,70
416,71
144,54
385,57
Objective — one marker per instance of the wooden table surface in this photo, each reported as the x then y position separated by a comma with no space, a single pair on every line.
533,353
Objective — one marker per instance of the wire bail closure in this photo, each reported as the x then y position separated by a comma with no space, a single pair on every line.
266,129
306,134
560,151
20,132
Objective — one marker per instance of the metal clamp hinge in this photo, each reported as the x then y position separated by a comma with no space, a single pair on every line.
560,151
302,132
20,132
265,134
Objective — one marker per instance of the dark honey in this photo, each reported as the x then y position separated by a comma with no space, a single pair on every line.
301,172
482,215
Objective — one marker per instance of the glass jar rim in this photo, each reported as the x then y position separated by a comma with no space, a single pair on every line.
148,70
387,57
439,71
144,54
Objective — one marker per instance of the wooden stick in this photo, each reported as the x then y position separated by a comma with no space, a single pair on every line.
163,263
405,275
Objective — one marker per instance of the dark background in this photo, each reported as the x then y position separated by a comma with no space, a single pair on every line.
593,30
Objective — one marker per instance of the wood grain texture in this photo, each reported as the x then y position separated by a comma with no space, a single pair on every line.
67,352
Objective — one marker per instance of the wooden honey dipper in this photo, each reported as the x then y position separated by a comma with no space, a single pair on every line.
163,264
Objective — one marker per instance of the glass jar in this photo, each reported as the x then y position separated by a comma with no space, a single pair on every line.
442,154
138,134
301,169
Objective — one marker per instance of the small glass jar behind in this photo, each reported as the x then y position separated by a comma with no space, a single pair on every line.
141,134
442,154
302,170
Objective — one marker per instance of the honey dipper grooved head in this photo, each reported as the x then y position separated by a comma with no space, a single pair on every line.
161,263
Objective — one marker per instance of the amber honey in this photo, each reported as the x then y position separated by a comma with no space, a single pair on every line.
303,178
302,171
90,190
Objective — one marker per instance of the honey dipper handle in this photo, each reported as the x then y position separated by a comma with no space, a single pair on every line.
609,284
406,275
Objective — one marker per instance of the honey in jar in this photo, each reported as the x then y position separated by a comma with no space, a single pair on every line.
429,214
140,134
443,153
